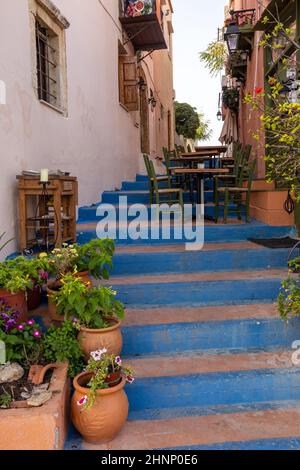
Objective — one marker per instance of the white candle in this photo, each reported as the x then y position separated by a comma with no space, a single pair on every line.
44,176
2,353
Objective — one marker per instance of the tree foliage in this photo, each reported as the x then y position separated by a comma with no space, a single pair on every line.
214,57
190,123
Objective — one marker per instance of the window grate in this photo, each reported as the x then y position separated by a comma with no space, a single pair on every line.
46,65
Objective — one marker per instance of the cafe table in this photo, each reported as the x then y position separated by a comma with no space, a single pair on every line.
200,174
217,148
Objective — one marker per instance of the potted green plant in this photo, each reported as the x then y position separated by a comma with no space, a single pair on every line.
96,312
14,285
36,269
96,257
99,405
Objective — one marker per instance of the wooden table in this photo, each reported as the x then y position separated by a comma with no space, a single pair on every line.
45,209
217,148
199,173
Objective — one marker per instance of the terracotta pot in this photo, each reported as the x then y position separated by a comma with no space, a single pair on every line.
52,310
114,379
34,298
109,338
84,276
17,301
105,419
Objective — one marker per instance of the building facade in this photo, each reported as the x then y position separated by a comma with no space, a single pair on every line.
251,71
81,92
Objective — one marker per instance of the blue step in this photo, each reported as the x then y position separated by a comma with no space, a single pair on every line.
230,292
237,336
93,213
188,262
213,234
214,389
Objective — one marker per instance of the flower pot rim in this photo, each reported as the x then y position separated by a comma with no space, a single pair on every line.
103,330
8,292
100,392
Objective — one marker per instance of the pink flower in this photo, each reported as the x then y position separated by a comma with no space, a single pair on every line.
129,379
30,322
82,400
36,333
118,360
21,327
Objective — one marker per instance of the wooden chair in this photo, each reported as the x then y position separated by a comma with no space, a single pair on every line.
235,195
160,179
169,195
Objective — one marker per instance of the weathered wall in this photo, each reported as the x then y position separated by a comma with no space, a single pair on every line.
99,141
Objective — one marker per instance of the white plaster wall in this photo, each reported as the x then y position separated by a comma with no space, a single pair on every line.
99,141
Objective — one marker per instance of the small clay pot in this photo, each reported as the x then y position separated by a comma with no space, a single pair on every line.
52,288
104,420
84,276
113,379
34,298
17,301
108,338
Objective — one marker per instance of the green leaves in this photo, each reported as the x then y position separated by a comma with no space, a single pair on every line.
93,307
214,57
96,257
187,120
61,345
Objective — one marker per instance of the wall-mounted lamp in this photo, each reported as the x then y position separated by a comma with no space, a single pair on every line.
219,115
232,37
142,84
152,100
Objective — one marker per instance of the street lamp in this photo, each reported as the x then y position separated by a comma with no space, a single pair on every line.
232,37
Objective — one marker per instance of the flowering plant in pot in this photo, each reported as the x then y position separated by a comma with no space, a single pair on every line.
97,314
96,257
100,405
23,341
14,285
37,270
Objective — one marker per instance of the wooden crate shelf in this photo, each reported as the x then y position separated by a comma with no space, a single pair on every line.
55,210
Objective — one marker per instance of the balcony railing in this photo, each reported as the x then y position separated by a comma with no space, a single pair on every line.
143,22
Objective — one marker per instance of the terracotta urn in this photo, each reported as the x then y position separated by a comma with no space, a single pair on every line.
84,276
52,310
108,338
17,301
104,420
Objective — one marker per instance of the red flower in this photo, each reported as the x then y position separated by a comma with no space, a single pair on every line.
258,90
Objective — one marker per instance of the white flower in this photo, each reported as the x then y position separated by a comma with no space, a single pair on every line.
118,360
97,355
82,400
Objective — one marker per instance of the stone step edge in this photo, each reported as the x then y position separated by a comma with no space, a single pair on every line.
180,364
205,430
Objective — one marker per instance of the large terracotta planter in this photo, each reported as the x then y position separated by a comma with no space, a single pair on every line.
84,276
108,338
105,419
17,301
42,428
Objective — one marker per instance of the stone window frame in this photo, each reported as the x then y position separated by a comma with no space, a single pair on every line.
48,14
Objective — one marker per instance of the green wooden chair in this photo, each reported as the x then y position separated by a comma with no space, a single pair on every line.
168,196
238,170
235,195
159,179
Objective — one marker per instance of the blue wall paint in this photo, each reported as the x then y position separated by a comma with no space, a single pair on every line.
242,335
292,443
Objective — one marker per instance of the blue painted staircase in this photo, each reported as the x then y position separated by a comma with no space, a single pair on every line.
212,358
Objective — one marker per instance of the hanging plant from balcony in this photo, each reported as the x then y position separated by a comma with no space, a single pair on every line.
134,8
231,98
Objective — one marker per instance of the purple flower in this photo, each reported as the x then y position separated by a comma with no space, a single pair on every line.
118,360
21,327
75,320
44,275
129,379
36,333
30,322
82,400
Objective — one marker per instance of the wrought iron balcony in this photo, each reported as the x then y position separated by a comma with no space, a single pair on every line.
143,22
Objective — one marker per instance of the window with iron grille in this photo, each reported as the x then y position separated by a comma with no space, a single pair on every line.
47,65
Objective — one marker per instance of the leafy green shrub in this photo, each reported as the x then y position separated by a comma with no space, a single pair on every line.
61,345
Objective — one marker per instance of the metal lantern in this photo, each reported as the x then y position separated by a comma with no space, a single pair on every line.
232,37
